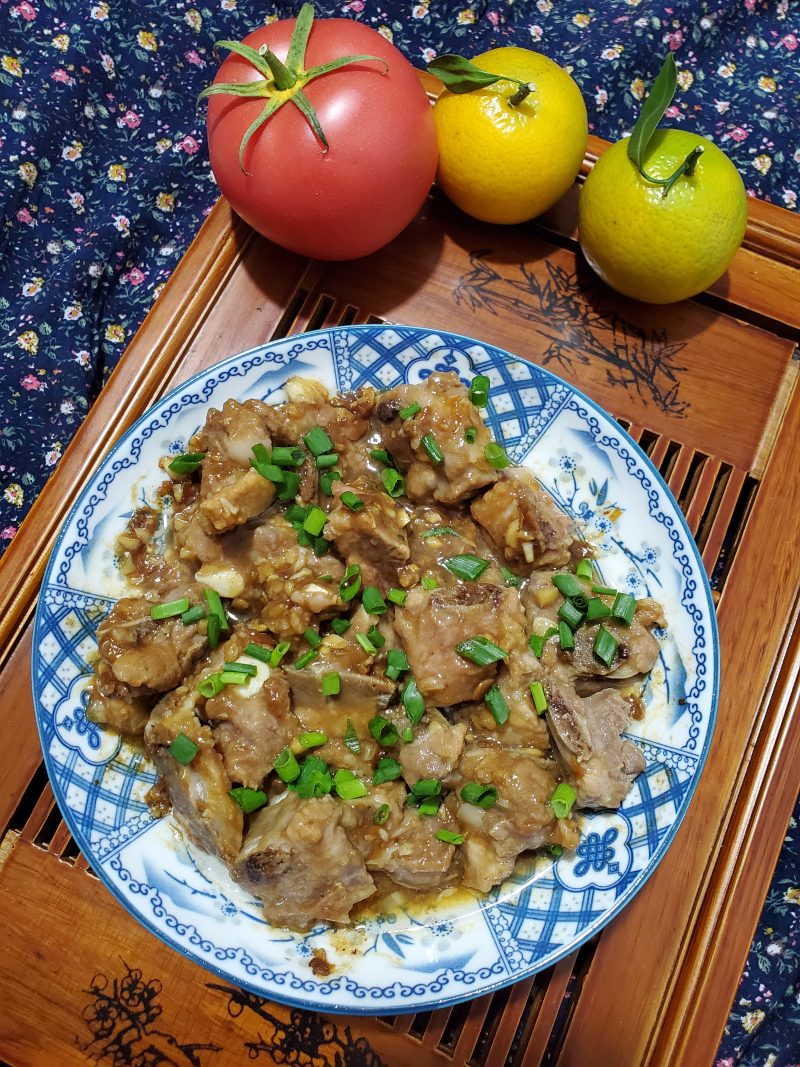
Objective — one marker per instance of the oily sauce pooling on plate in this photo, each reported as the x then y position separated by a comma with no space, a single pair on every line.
365,646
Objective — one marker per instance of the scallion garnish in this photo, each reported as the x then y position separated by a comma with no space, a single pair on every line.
351,738
376,637
482,796
449,837
269,471
496,703
481,651
604,590
409,412
597,609
565,639
212,631
570,614
233,677
537,641
366,644
215,608
479,390
427,787
539,698
326,480
317,441
624,608
350,500
340,625
194,614
187,462
431,446
315,779
397,596
393,482
288,488
312,739
605,645
348,786
350,583
331,684
470,434
466,566
312,637
430,805
286,766
260,454
258,652
396,663
388,770
556,850
495,456
381,814
382,456
509,578
305,659
413,701
584,570
288,457
183,749
249,669
249,800
278,652
330,459
568,585
315,521
439,531
562,799
372,601
429,582
407,735
169,609
210,685
384,732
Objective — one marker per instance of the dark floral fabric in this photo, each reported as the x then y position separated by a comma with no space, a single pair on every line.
104,180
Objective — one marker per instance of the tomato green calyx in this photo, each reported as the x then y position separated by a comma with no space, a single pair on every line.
460,75
282,82
658,100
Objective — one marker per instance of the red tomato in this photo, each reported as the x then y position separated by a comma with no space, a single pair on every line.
354,198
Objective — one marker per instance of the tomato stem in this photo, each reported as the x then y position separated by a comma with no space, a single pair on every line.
284,78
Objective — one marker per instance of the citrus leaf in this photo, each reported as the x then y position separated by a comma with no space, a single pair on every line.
301,101
296,55
248,53
343,61
658,100
461,76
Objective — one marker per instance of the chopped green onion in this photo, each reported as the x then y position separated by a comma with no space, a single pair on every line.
397,596
624,608
430,805
495,456
340,625
580,602
570,614
249,669
347,786
413,701
537,642
312,739
194,614
350,500
376,637
382,813
312,637
409,412
407,735
317,441
183,749
330,459
258,652
215,608
366,644
564,796
584,570
466,566
496,703
187,462
604,590
269,471
568,585
396,663
350,583
210,685
315,521
326,481
440,531
388,770
278,652
539,698
286,766
427,787
297,514
373,602
382,456
509,578
212,630
169,609
470,434
597,609
565,638
431,446
479,390
305,659
315,779
331,684
393,482
481,651
288,489
383,731
233,677
260,453
249,800
605,646
482,796
351,738
556,850
429,583
288,457
449,837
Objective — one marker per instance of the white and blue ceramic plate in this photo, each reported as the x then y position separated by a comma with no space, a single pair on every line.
408,958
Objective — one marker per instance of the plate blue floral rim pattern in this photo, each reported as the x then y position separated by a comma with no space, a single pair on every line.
410,957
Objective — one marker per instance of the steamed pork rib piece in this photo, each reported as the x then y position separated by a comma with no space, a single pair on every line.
521,819
435,750
433,622
344,417
146,655
231,491
373,537
299,862
198,791
446,413
436,535
116,705
588,735
525,523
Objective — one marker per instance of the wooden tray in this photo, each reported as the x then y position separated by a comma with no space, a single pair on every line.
708,387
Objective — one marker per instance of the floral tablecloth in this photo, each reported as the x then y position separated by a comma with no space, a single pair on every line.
104,180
